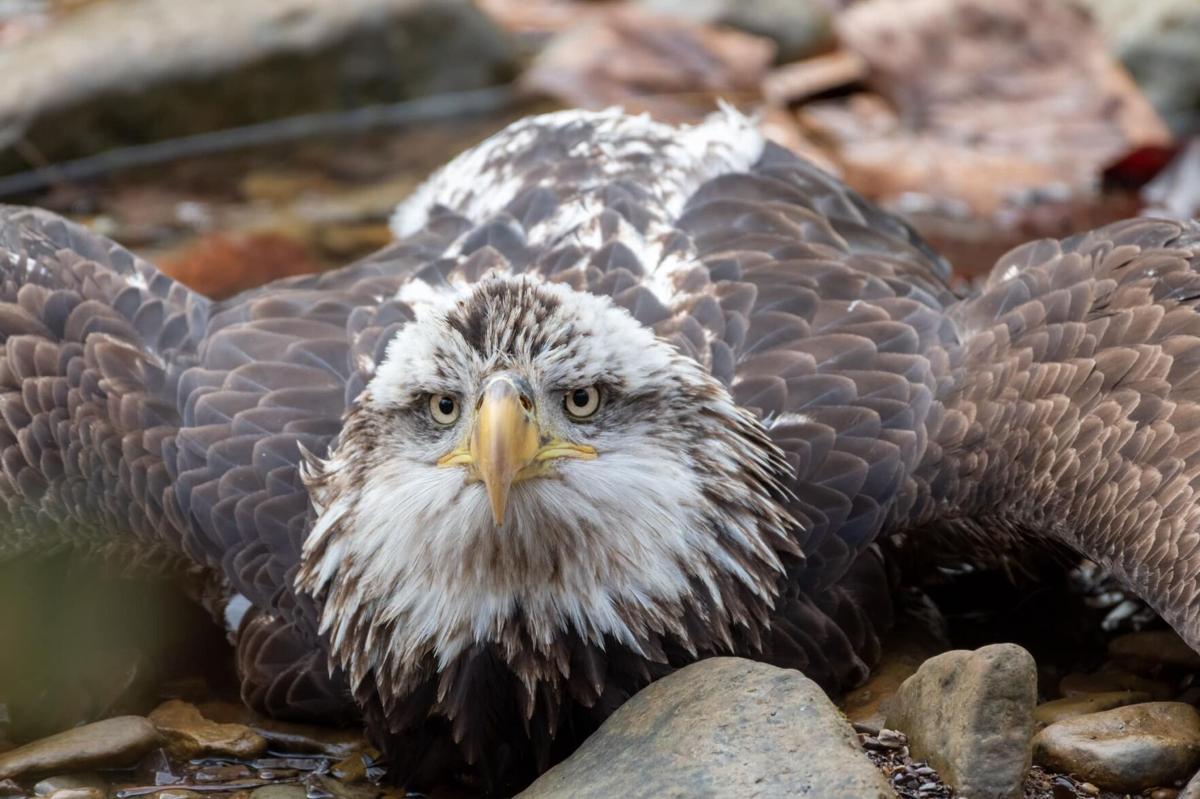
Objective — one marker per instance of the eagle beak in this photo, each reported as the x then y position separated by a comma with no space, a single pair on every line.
505,438
507,444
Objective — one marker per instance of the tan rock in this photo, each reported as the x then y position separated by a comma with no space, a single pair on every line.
52,785
720,727
1127,749
78,793
970,714
1082,704
112,743
311,739
1153,647
188,734
1110,680
281,791
350,769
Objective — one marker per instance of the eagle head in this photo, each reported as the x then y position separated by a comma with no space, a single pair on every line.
531,469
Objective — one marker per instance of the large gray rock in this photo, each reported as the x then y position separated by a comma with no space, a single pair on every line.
800,28
1159,42
721,727
1127,749
112,743
970,714
126,71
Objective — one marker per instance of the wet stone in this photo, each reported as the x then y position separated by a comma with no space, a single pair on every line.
232,773
288,791
1153,647
320,786
10,788
1130,748
310,739
970,714
70,781
1082,704
78,793
1110,680
112,743
189,734
351,769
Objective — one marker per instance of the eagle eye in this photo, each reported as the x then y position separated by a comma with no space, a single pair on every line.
581,402
444,408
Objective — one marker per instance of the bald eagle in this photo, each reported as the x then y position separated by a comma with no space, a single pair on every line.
619,397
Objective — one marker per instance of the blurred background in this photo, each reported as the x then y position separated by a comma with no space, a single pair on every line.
232,142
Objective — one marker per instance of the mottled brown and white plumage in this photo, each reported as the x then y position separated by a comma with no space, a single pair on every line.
786,389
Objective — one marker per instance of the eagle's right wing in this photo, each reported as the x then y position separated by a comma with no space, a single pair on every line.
145,423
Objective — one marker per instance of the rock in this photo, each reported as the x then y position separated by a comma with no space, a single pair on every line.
980,165
112,743
350,769
188,734
79,793
1152,647
130,71
800,28
310,739
52,785
288,791
1192,789
1110,680
233,772
1159,42
10,788
720,727
672,68
320,785
1127,749
1083,704
284,736
970,714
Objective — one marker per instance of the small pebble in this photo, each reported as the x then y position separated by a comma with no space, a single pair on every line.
52,785
1063,788
1089,789
351,769
214,774
1164,793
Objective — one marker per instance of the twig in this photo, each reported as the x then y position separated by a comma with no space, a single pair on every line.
332,123
126,793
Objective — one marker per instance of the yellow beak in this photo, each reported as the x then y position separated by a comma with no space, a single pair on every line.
506,442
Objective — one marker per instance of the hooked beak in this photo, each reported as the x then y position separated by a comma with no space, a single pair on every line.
506,443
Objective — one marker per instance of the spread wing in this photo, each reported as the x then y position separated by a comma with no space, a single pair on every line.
149,425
